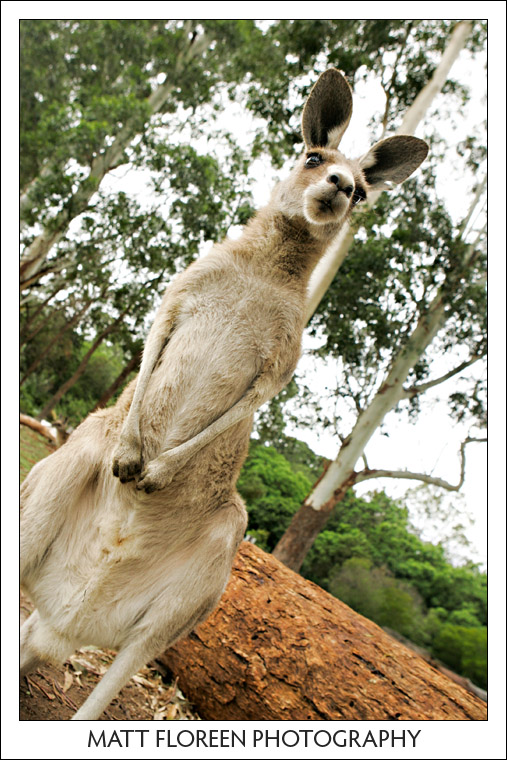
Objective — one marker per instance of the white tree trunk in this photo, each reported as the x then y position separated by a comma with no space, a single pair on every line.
423,100
386,398
341,474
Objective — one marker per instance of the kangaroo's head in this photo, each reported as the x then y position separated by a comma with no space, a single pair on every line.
325,186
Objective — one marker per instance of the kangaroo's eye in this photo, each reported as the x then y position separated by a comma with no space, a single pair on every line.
314,159
359,195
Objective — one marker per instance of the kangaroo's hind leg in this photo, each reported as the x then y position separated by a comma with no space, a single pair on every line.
40,644
53,487
197,583
29,657
130,659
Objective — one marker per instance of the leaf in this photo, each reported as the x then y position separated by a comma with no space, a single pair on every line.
143,681
171,712
68,681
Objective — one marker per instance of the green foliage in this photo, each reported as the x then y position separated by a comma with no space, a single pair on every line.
467,616
455,587
103,367
272,491
375,593
464,649
331,549
105,364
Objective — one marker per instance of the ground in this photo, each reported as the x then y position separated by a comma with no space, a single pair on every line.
55,693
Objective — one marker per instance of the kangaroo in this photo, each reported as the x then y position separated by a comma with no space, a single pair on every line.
129,530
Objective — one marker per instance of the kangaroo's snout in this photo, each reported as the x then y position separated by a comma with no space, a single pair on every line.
342,179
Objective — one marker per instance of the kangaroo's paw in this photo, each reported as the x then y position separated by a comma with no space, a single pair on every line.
127,460
152,479
159,472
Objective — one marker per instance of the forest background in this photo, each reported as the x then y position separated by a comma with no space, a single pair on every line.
85,313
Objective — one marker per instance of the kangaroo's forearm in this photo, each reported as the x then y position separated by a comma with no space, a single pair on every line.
157,340
159,472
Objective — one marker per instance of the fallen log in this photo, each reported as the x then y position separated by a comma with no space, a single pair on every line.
25,419
278,647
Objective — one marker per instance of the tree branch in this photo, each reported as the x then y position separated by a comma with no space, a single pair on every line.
406,475
25,419
368,474
414,390
477,195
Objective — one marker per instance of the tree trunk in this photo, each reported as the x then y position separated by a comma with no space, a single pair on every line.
130,367
329,490
303,529
79,371
278,647
340,474
307,523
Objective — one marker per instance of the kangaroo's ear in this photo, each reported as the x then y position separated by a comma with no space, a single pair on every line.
327,111
392,160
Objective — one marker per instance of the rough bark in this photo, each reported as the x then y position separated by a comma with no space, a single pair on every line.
278,647
307,523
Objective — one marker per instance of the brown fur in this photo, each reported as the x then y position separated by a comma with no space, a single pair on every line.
129,529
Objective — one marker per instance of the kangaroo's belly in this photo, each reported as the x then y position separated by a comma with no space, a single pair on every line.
117,561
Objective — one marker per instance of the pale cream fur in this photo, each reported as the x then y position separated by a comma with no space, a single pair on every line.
129,530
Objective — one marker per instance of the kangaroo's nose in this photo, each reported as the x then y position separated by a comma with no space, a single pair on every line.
342,182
